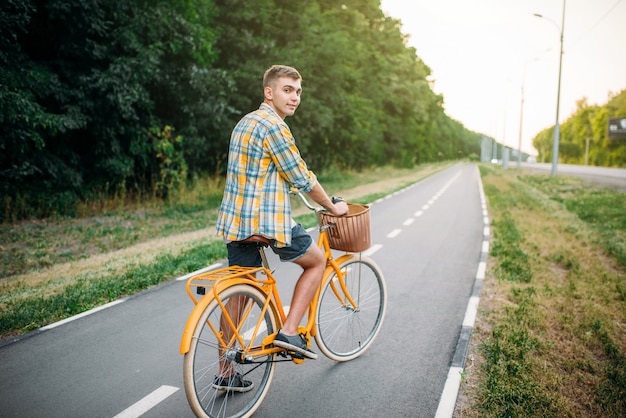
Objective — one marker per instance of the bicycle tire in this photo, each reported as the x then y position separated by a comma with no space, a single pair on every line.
344,333
202,363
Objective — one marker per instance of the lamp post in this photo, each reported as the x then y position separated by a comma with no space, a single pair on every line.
519,137
557,133
521,113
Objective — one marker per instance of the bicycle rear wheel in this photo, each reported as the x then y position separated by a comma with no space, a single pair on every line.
209,358
345,331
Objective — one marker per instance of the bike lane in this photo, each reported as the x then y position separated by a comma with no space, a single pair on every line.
124,361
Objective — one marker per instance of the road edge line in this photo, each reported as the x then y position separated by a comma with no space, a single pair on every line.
67,320
449,395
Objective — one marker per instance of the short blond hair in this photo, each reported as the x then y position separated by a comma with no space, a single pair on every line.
277,71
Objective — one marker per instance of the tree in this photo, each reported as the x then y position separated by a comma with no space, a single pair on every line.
83,82
588,124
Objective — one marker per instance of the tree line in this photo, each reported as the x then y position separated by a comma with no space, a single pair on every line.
584,136
142,95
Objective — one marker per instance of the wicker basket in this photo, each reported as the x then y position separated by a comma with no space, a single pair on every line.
350,232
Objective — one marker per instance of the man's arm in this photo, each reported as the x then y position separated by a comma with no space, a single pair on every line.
318,194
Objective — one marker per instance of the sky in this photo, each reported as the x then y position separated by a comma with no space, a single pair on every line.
489,56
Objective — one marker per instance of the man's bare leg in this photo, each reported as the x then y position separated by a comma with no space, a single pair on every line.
234,307
313,263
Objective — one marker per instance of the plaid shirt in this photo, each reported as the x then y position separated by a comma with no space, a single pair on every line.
263,165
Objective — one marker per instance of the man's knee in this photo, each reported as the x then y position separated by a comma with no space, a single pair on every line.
313,258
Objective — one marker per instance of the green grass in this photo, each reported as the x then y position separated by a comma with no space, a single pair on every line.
39,244
30,313
603,209
550,333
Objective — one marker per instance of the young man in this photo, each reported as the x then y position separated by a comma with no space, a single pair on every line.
263,165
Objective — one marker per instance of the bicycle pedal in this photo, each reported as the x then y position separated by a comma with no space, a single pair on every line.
296,355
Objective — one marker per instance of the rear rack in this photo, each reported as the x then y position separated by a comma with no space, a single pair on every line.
208,280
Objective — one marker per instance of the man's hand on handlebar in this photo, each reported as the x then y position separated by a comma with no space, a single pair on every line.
340,207
335,206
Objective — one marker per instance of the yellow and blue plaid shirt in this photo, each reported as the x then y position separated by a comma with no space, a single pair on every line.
263,165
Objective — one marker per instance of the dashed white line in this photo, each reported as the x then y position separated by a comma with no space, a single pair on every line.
450,392
148,402
482,268
394,233
372,250
470,313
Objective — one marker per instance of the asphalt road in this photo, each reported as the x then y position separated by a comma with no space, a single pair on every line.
124,361
603,176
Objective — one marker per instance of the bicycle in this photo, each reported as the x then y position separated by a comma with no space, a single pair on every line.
233,324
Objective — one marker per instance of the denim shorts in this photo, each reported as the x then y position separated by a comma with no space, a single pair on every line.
247,254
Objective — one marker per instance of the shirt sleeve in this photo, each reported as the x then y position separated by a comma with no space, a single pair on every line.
286,156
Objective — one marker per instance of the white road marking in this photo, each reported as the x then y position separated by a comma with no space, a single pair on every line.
470,313
482,268
117,302
408,222
450,392
80,315
372,250
148,402
394,233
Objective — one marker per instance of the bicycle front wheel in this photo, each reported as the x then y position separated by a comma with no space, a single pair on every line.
345,329
215,359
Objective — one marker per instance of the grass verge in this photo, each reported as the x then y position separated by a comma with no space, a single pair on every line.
550,336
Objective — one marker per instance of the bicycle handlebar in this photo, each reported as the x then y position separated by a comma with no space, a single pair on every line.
309,205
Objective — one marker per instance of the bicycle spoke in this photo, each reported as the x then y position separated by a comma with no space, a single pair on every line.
346,329
207,343
209,361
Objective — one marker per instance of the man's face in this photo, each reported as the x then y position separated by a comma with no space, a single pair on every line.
284,96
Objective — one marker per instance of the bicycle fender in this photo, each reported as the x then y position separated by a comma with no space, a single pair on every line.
199,308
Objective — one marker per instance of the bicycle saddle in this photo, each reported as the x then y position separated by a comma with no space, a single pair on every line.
256,239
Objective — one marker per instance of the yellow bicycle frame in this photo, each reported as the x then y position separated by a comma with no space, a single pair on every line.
218,280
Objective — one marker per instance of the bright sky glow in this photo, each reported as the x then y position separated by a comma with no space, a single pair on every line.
482,52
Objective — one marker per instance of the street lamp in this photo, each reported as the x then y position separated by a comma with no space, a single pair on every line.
557,133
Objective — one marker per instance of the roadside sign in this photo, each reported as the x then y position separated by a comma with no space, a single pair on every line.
617,128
